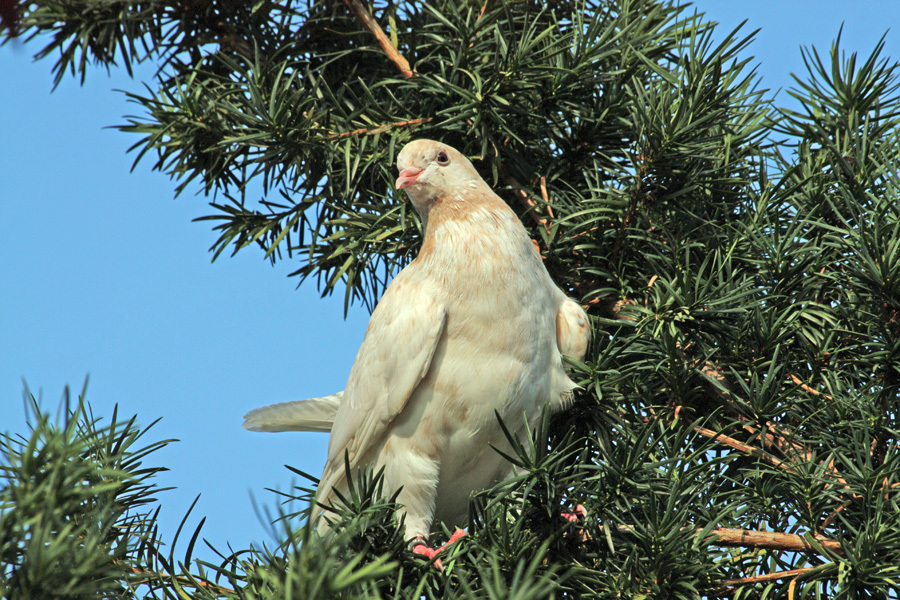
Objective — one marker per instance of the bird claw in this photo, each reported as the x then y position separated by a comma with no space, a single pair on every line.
430,553
579,514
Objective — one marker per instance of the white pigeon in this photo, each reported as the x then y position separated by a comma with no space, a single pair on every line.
472,326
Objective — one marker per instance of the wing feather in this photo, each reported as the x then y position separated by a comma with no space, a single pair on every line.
573,329
395,355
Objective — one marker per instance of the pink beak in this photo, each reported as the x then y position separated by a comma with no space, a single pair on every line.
408,176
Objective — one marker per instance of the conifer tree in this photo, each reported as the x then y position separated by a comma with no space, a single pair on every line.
736,430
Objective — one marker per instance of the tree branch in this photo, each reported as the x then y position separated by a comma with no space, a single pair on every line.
771,540
368,21
806,388
737,445
726,587
777,437
380,128
531,205
733,443
727,537
546,197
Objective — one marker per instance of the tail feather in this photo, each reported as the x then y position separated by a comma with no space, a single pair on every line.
313,414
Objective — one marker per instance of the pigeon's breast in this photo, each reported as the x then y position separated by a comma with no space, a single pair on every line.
498,354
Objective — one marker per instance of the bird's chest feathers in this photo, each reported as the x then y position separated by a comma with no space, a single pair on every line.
490,277
481,251
500,330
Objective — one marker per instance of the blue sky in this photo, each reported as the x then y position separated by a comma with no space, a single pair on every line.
104,273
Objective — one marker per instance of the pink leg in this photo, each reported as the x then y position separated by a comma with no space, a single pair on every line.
579,514
430,553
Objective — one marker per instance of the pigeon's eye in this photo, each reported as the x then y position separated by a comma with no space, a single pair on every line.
442,158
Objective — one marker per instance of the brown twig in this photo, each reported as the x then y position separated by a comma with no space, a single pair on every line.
741,446
368,21
833,515
380,128
527,201
732,443
771,540
776,437
772,437
806,388
848,503
727,537
767,577
546,197
779,438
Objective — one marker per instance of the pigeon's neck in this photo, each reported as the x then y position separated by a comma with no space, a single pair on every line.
465,233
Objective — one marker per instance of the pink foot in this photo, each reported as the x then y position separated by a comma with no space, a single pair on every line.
579,514
430,553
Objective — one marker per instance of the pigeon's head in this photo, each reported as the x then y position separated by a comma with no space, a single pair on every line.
430,170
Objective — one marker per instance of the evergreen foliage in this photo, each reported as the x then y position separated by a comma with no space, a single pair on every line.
736,434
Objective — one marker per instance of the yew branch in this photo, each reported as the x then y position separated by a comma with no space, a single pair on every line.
546,197
531,205
775,437
379,129
727,537
767,577
738,445
733,443
772,540
727,587
368,21
797,381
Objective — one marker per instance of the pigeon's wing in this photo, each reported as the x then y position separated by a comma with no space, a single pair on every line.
313,414
573,329
395,355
